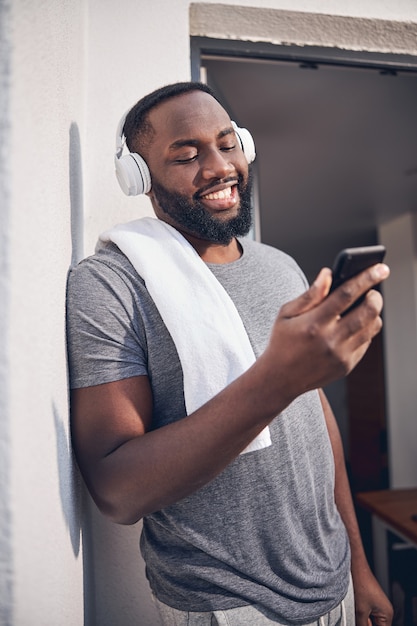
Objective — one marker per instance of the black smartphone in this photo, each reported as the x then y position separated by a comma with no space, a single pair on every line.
351,261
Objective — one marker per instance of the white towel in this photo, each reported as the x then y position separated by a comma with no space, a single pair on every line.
211,341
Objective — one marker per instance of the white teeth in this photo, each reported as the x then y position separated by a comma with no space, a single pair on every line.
219,195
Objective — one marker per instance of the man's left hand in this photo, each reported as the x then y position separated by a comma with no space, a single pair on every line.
371,604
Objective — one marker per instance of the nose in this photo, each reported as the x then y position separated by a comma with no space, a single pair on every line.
216,164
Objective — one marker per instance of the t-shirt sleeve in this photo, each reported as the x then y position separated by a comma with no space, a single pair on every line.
105,338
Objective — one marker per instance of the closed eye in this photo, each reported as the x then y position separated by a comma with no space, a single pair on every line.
188,159
193,157
227,148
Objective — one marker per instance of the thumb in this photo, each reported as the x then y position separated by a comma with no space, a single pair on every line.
310,298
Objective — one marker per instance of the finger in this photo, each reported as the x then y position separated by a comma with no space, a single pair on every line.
351,290
310,298
363,619
355,331
371,306
363,322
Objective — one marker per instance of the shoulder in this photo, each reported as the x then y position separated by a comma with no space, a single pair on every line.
263,250
106,261
108,269
104,282
268,257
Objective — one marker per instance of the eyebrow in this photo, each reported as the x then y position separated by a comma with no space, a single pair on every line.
181,143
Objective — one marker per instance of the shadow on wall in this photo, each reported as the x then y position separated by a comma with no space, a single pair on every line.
69,482
76,195
70,489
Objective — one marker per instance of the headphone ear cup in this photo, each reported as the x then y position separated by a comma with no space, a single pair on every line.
133,174
246,141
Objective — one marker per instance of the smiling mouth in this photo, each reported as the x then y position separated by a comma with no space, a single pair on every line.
224,194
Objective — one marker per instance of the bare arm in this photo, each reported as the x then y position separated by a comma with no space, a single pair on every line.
132,471
372,605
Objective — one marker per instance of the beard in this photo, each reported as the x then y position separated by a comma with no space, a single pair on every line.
193,216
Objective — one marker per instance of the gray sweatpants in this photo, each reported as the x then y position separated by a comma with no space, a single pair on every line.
342,615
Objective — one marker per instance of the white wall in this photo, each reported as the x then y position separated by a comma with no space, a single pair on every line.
69,70
5,504
45,89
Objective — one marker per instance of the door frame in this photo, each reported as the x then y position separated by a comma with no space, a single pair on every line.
310,55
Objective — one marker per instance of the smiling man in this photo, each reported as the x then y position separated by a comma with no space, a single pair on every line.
196,360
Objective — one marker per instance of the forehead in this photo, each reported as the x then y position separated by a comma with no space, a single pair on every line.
188,116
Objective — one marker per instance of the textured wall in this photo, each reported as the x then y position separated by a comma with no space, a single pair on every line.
310,28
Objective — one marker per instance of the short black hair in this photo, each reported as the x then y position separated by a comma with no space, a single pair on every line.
137,127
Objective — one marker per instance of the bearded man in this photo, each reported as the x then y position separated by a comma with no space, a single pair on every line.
197,358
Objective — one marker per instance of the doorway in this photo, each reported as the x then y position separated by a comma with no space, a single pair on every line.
336,138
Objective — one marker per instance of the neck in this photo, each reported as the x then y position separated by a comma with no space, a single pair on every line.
214,252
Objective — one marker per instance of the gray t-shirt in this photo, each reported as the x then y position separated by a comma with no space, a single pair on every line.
266,531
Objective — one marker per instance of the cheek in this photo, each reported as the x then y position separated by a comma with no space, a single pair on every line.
243,167
183,181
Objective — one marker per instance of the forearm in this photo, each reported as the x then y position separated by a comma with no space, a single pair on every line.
153,470
344,503
371,604
343,497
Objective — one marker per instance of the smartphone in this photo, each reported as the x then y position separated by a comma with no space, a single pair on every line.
351,261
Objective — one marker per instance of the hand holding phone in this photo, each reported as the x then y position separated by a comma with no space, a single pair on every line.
351,261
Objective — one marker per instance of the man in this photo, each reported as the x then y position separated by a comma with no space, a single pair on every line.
247,514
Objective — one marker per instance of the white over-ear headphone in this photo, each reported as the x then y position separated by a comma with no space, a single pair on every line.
133,173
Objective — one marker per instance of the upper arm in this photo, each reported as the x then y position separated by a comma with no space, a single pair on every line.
111,399
103,418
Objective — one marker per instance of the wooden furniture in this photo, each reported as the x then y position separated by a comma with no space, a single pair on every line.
392,510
